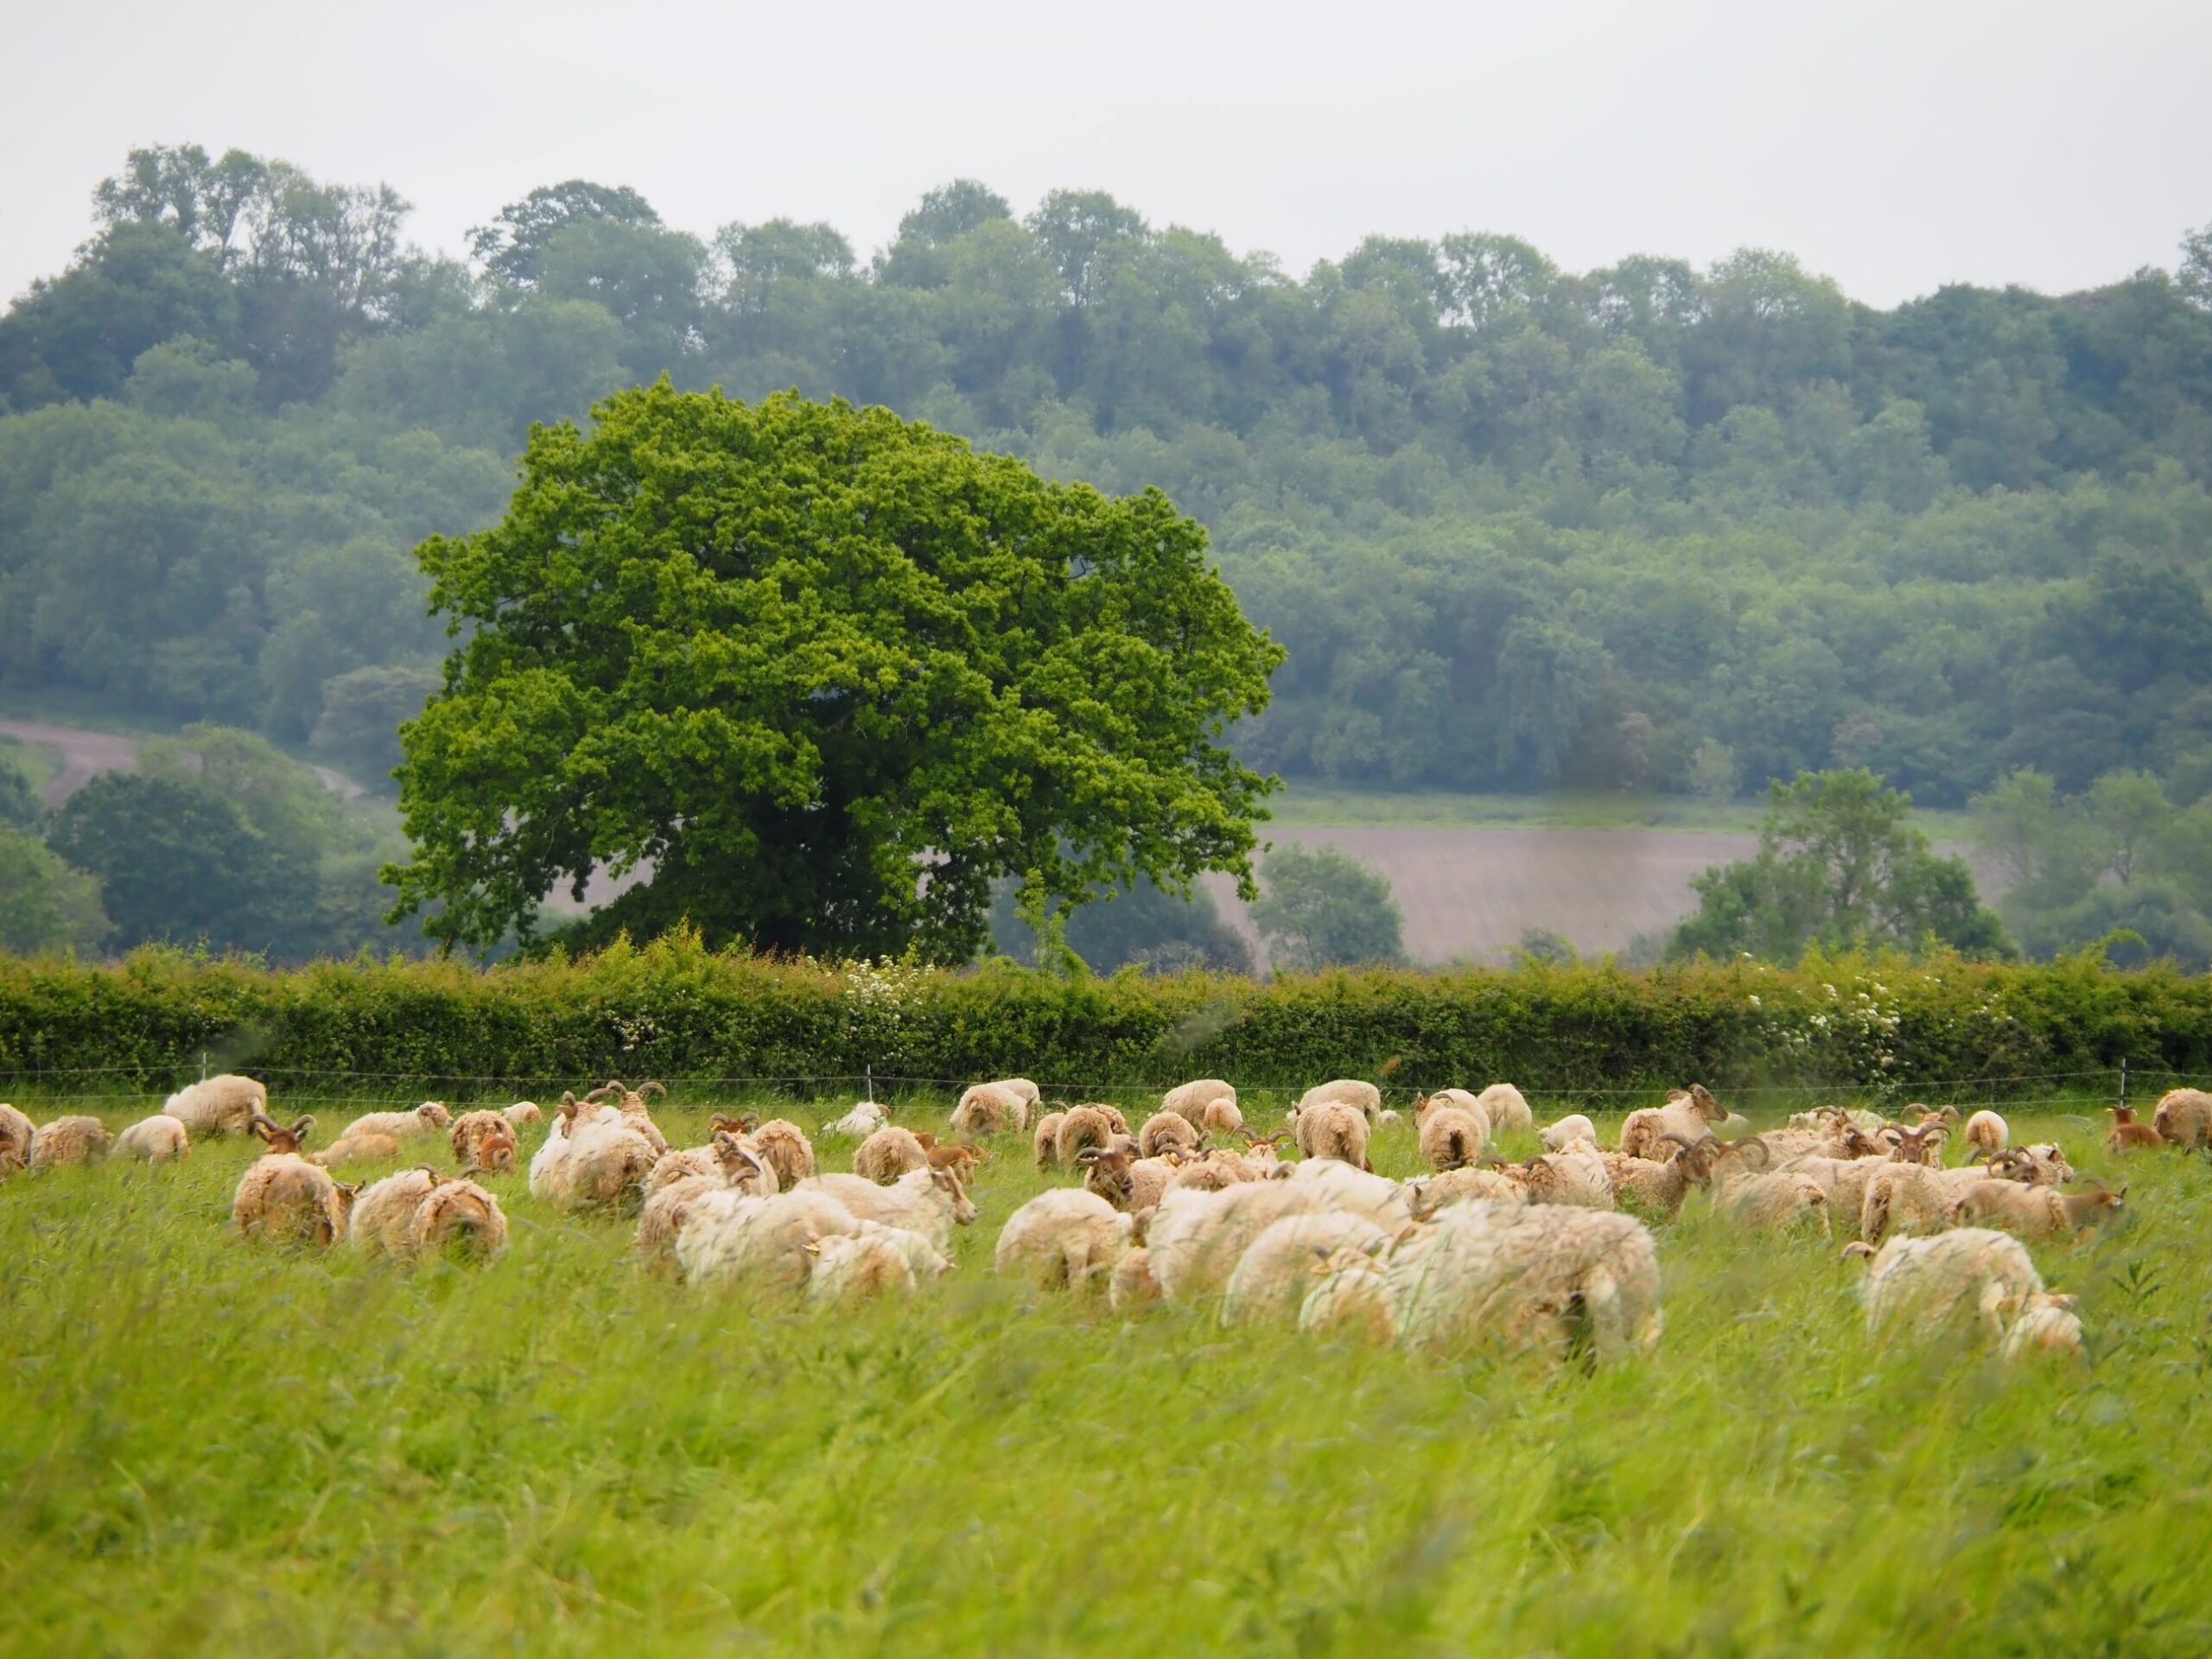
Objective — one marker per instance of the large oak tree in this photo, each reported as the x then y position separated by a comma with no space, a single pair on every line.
825,674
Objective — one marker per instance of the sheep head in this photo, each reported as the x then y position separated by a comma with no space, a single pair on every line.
434,1115
946,1181
1705,1105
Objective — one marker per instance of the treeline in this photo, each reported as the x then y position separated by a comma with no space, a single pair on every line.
1940,1027
1521,527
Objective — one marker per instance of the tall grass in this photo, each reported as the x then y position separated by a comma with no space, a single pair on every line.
206,1446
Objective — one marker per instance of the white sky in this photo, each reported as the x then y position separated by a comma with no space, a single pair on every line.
1894,146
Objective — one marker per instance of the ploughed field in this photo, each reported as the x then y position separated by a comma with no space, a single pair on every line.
212,1445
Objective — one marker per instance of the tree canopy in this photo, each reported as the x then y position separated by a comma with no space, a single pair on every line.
821,675
1323,908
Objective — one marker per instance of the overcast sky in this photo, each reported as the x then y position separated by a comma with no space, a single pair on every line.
1894,146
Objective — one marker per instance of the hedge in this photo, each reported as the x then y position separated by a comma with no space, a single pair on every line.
673,1009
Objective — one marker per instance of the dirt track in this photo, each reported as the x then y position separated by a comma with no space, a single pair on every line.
85,755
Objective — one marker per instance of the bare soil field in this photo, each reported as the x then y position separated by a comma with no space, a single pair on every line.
84,755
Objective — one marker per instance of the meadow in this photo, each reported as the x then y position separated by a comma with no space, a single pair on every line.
207,1447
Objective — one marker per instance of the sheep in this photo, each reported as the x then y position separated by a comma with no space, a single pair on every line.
1221,1116
282,1196
457,1214
1910,1198
729,1236
928,1201
888,1155
15,1129
1539,1276
1777,1199
157,1139
2051,1326
1167,1132
864,1120
2183,1116
1431,1194
1572,1128
223,1104
1921,1285
2129,1136
1271,1279
522,1114
1195,1239
383,1213
1189,1100
683,1164
2035,1212
1451,1136
431,1117
591,1164
1988,1133
1845,1180
1362,1097
1044,1140
783,1146
1062,1238
1132,1284
1333,1129
77,1140
485,1139
961,1160
1086,1126
1348,1296
1505,1108
877,1259
1124,1181
1354,1191
2046,1165
1687,1113
666,1207
1655,1187
631,1105
994,1107
352,1148
1576,1176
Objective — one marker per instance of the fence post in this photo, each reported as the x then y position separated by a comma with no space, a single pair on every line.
868,1072
203,1065
2123,1079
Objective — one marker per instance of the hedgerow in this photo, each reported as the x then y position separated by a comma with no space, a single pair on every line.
672,1009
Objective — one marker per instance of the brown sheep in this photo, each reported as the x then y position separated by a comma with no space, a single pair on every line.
783,1146
459,1215
71,1141
2129,1136
1045,1140
2183,1118
1093,1125
485,1139
2035,1212
889,1153
1451,1136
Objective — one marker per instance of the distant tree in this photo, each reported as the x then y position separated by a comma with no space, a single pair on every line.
1715,775
2195,274
1839,866
46,906
2033,836
362,713
1144,926
2126,815
1320,908
176,863
512,247
20,806
824,652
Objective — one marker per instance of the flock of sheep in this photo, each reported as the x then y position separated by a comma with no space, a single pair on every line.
1551,1251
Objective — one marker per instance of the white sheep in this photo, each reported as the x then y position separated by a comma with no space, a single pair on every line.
889,1153
1190,1100
871,1263
431,1117
995,1108
17,1133
1354,1191
1451,1134
1195,1239
352,1148
1271,1279
384,1211
1556,1137
1333,1128
282,1196
927,1201
591,1165
1923,1284
522,1114
1063,1238
1688,1112
160,1139
1506,1108
1348,1296
1776,1199
864,1120
1988,1133
729,1237
1432,1193
2183,1118
223,1104
1044,1140
1362,1097
1167,1131
76,1140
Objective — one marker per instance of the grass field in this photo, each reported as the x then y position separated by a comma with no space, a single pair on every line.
210,1447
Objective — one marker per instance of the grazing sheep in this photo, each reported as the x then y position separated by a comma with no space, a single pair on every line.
1125,1180
2046,1165
961,1161
459,1215
888,1155
1655,1187
1167,1131
928,1201
2129,1136
1575,1176
1195,1239
483,1140
1777,1199
1910,1198
783,1146
1539,1276
2035,1212
1688,1112
1221,1167
1189,1100
864,1120
591,1164
2051,1326
77,1140
1221,1117
1574,1127
631,1105
995,1108
352,1148
1061,1239
666,1206
728,1236
1923,1285
1845,1181
1362,1097
1348,1296
431,1117
1273,1276
877,1260
522,1114
1335,1129
383,1213
1044,1140
223,1104
2184,1117
1451,1136
284,1196
15,1129
1132,1285
1354,1191
1505,1108
684,1164
1091,1125
1431,1194
1988,1133
157,1139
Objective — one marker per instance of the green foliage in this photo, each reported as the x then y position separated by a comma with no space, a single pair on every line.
1839,868
1713,774
562,1455
1143,926
1322,908
783,654
20,806
362,713
45,906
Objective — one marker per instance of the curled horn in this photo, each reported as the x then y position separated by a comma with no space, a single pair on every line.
259,1124
567,1097
721,1121
1090,1154
1723,1148
303,1126
656,1088
612,1086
